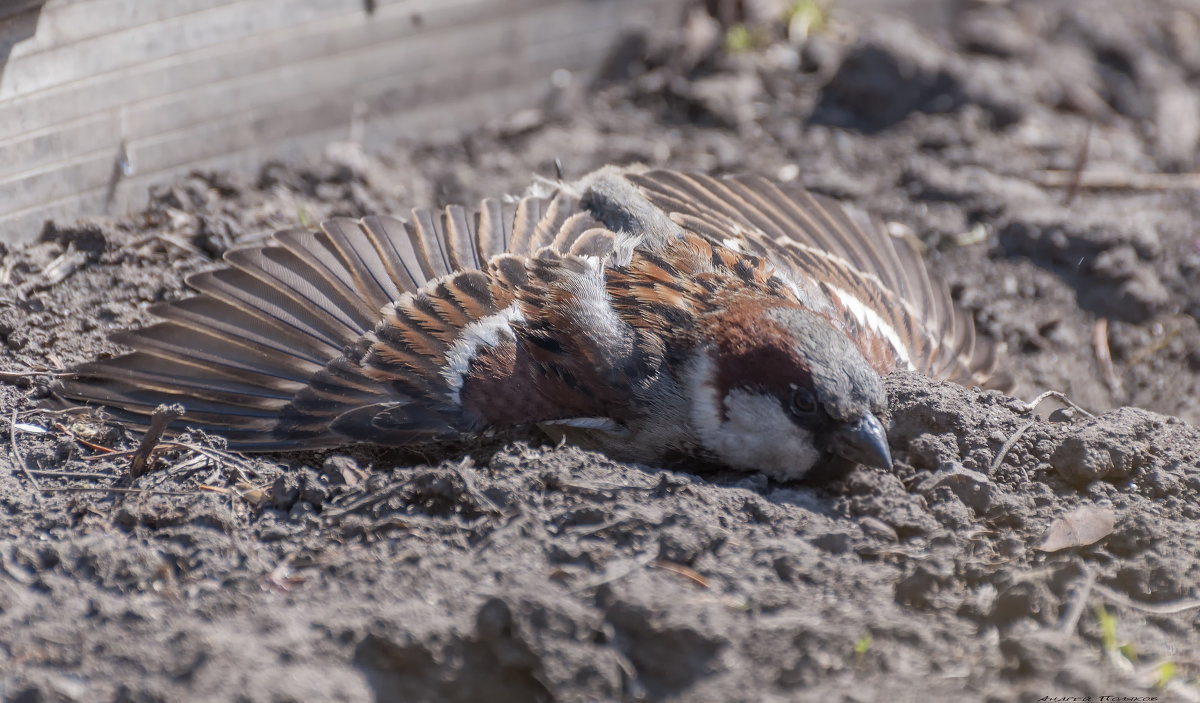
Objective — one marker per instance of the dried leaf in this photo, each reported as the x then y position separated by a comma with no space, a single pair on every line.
1082,526
255,495
66,264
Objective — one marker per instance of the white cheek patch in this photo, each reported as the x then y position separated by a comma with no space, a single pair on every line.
871,320
748,430
490,331
759,434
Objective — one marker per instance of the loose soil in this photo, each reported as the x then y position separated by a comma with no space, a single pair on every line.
1039,150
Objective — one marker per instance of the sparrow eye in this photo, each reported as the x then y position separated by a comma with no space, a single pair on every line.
804,403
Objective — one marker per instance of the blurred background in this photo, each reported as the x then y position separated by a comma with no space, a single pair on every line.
101,98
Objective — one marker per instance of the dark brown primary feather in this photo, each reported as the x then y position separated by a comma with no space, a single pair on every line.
285,348
345,333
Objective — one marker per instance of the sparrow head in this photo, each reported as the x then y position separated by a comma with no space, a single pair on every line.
777,389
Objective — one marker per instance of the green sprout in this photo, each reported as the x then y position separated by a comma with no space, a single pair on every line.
861,647
738,39
1166,672
804,17
1108,630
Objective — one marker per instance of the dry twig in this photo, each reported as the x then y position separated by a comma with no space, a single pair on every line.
1154,347
68,474
1008,445
90,445
1168,608
1070,619
1059,396
1095,180
461,470
163,415
20,375
626,568
690,574
110,489
1104,355
19,459
1080,162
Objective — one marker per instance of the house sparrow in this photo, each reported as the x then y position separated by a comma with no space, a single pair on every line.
659,316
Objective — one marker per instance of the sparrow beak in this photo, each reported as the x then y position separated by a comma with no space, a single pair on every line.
864,442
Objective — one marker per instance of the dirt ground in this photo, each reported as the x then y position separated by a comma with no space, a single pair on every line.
1041,150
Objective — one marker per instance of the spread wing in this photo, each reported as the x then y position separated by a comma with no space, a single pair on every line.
879,286
351,332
